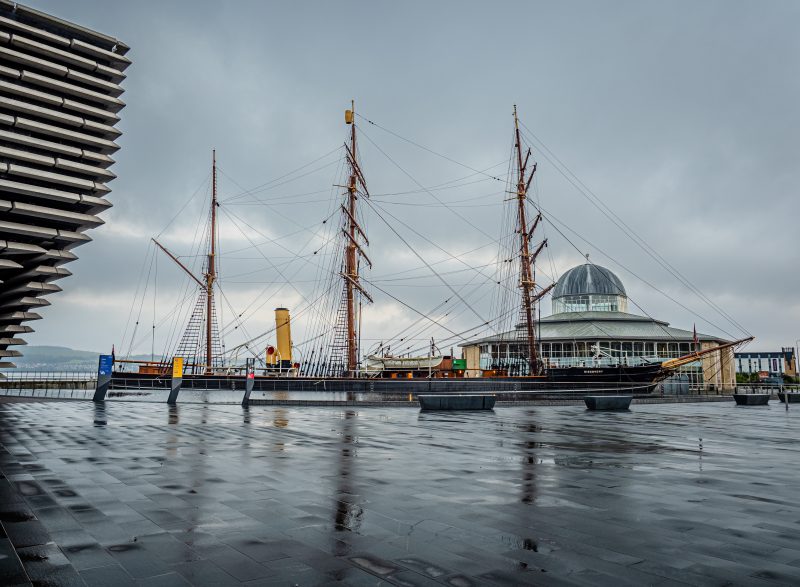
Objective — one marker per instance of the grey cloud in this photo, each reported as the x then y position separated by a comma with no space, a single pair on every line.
681,116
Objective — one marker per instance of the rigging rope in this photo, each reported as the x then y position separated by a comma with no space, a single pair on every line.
627,229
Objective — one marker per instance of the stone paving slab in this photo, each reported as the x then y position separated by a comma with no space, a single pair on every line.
145,494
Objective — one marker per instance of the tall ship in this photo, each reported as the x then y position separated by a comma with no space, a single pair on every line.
334,357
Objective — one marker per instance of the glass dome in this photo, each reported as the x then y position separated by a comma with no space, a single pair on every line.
589,288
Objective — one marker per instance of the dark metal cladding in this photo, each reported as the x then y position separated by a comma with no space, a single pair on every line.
588,279
59,98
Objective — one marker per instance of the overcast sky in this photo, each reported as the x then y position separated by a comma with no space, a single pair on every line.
682,117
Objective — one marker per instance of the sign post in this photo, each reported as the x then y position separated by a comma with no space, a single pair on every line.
104,368
177,379
250,369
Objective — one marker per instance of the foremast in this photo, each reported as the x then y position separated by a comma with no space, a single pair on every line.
527,259
211,269
354,249
202,322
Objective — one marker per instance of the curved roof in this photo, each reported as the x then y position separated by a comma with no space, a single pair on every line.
588,279
591,326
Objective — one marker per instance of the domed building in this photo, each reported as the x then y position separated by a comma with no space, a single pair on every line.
589,288
590,319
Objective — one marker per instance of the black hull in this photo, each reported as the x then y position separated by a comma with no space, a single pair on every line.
640,374
556,381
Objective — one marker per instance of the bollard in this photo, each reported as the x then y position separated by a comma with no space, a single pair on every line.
177,379
250,381
104,368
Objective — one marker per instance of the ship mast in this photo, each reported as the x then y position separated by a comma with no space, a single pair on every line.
353,250
527,279
211,272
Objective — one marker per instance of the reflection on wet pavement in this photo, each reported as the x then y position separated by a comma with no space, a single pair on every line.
146,494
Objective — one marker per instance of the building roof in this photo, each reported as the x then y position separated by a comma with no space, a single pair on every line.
73,29
596,316
588,279
603,326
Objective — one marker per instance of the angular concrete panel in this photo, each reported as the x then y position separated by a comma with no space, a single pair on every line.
59,98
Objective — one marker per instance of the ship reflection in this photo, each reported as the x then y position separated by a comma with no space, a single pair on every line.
280,419
529,460
348,515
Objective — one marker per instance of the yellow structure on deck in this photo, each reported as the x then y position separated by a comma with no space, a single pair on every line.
283,333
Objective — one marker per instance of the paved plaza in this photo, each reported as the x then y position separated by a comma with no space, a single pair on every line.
204,494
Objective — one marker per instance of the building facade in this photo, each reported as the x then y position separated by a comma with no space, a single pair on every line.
590,323
772,363
59,103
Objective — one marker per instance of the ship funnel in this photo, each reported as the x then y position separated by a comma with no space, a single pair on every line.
283,333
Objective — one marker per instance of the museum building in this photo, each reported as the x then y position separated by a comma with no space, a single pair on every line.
60,88
590,319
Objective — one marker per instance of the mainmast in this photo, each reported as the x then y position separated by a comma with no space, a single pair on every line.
527,276
353,249
211,272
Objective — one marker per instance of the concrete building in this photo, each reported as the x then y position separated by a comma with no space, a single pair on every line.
590,318
772,363
59,103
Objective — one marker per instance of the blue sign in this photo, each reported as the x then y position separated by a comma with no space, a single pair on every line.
106,365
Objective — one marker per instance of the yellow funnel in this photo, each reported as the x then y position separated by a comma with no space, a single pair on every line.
283,333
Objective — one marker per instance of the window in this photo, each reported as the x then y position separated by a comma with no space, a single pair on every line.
590,302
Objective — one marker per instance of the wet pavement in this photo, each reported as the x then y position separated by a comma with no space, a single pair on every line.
143,494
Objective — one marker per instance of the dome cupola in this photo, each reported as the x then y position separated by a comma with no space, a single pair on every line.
589,288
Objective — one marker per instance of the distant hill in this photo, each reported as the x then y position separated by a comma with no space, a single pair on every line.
57,358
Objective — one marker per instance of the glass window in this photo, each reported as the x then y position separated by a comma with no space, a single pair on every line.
638,349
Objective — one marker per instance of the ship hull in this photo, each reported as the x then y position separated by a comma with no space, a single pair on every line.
555,382
611,374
